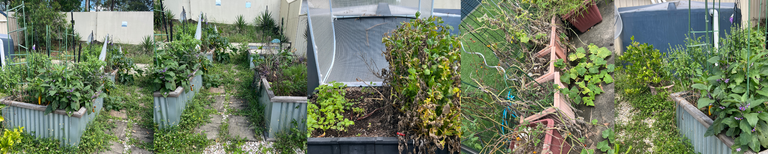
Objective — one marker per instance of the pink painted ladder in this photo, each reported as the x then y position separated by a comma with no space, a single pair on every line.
555,51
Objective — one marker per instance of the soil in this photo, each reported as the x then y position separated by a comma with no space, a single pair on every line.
380,123
693,97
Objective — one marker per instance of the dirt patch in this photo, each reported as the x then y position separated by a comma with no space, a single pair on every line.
378,120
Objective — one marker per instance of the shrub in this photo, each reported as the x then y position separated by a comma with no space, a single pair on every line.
147,44
175,64
240,22
267,25
734,91
10,138
40,14
644,62
326,112
424,68
124,66
297,79
685,63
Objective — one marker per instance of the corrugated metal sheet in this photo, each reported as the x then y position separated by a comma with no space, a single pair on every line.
692,123
168,110
65,128
278,115
694,130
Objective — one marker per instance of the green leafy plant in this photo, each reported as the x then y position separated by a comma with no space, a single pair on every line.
267,25
563,7
297,81
113,103
289,140
66,88
286,70
147,44
9,139
424,68
587,76
39,15
175,64
645,63
326,112
124,66
609,137
240,22
212,80
735,90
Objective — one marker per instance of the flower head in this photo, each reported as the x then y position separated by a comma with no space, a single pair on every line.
738,149
722,107
718,80
726,80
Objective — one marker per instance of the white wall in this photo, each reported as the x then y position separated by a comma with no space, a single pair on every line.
139,25
227,12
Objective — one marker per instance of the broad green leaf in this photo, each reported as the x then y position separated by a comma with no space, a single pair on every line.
745,128
714,59
700,86
610,68
751,118
603,146
704,102
608,79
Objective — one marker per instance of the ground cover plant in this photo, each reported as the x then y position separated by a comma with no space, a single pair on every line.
424,68
591,71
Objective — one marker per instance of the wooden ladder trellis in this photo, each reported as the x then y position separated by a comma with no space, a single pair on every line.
555,52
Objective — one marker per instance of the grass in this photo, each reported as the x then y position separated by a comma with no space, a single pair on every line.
663,133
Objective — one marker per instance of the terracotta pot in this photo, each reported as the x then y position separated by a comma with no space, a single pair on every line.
665,88
553,141
589,17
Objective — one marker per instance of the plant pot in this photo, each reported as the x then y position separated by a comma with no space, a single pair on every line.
168,110
664,88
355,145
57,124
553,141
692,123
279,111
589,17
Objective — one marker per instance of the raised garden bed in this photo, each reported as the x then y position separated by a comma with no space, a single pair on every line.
280,110
58,125
168,110
282,104
374,133
111,75
693,123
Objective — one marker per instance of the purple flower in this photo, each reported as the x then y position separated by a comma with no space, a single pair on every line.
722,107
753,129
737,118
162,77
718,80
742,108
726,80
166,93
33,47
738,149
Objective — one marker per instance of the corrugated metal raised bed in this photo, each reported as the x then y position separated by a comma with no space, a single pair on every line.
168,110
57,124
111,75
279,111
358,145
693,124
